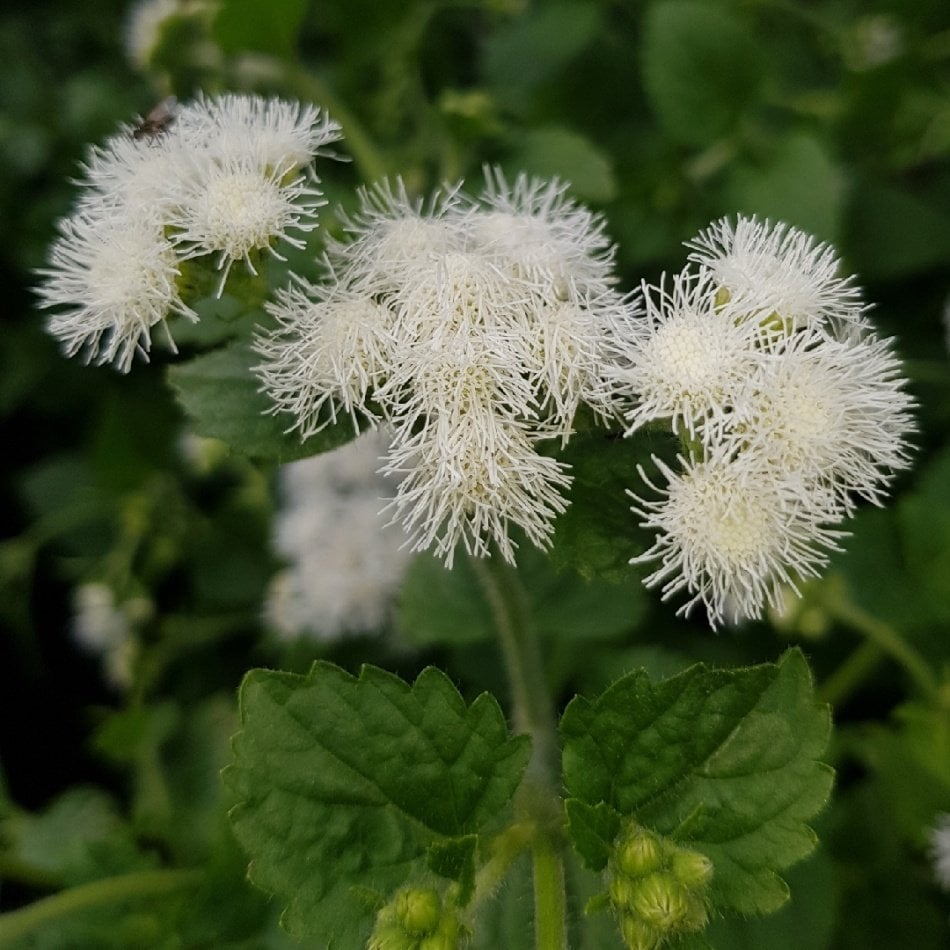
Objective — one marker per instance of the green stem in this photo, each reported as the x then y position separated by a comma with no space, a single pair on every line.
849,676
884,639
533,712
18,923
537,803
550,921
368,159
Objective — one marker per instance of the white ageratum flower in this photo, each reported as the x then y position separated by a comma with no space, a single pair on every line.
112,278
329,353
535,229
688,357
344,565
782,270
835,412
233,207
940,850
476,329
143,28
731,533
225,178
468,478
787,405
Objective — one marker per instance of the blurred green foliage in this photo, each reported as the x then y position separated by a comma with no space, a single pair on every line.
832,115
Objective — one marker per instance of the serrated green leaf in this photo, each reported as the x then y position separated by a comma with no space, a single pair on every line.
249,25
726,762
701,68
220,394
346,782
593,829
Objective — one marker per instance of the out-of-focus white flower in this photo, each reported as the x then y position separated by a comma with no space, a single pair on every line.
731,533
229,178
780,270
112,278
143,28
476,329
940,850
107,629
344,563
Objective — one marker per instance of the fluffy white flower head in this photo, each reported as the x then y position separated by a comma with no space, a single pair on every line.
484,326
731,534
233,209
113,279
688,357
782,270
835,412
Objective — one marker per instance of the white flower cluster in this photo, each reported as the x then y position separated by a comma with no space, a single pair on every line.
225,177
475,329
789,407
344,564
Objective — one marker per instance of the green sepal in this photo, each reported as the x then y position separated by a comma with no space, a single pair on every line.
455,859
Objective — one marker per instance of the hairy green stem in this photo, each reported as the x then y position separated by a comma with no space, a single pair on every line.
537,804
17,924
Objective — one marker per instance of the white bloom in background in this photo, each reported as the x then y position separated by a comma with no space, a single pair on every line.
782,270
112,278
344,564
940,850
731,534
689,357
835,412
229,178
476,329
143,28
107,629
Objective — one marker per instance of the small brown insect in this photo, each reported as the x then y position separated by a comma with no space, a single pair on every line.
157,119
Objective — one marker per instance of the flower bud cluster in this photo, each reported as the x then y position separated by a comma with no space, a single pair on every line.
219,178
789,408
657,888
475,329
417,918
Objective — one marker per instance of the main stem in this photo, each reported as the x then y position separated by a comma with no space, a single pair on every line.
533,713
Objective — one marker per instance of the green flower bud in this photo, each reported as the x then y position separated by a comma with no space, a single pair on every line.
691,869
418,909
621,891
661,901
639,853
638,935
